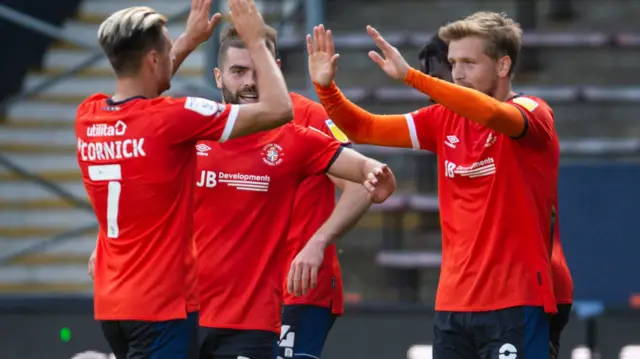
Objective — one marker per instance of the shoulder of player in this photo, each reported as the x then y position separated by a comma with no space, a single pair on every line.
91,101
431,109
529,102
305,108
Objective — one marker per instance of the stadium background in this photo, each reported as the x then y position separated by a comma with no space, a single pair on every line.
581,56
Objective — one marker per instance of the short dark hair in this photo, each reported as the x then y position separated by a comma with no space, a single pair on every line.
435,48
127,35
231,38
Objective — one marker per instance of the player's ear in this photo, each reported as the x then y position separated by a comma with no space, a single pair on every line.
218,75
504,66
279,63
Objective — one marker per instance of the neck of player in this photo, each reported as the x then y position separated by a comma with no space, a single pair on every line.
505,92
131,87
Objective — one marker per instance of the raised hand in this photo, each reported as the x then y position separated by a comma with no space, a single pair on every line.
380,183
393,64
199,25
323,61
247,20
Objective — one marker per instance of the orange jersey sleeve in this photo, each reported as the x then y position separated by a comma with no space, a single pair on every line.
362,126
503,117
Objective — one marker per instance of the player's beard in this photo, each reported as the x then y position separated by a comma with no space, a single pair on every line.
234,98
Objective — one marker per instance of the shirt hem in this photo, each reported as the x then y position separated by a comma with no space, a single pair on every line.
240,327
488,308
145,318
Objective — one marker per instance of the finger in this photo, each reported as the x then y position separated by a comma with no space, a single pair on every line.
329,46
215,20
382,44
334,61
314,278
316,39
290,278
375,57
321,38
372,179
295,279
204,5
377,172
305,280
251,6
368,186
309,45
385,170
194,4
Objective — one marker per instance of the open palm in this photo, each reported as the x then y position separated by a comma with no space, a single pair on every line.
393,64
323,61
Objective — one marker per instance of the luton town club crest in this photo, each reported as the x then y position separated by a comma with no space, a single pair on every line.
272,154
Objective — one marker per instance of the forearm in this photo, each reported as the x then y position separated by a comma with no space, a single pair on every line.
351,206
182,47
362,126
469,103
272,88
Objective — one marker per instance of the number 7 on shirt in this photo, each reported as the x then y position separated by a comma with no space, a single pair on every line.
113,174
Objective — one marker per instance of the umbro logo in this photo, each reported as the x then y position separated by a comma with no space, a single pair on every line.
451,141
202,149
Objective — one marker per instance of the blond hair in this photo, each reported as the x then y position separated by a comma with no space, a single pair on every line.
126,35
502,34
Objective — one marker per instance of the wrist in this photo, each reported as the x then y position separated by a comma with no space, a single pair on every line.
256,45
410,76
188,42
321,240
330,86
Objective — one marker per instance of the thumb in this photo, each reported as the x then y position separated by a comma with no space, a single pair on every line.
334,61
215,19
375,57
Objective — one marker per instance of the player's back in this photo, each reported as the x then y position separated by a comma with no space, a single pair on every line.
140,182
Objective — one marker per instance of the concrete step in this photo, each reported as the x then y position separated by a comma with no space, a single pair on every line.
35,112
68,218
81,246
36,140
17,274
44,163
46,288
22,191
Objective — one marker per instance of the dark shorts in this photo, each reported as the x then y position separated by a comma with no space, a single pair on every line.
220,343
518,332
304,330
133,339
557,323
